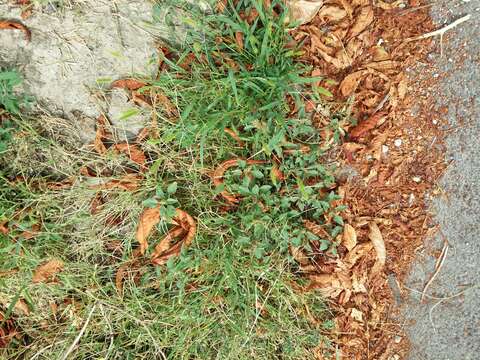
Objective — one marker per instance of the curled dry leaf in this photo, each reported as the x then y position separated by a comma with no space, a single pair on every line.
341,60
47,271
235,136
15,25
163,251
3,228
166,243
130,182
22,307
332,13
350,83
186,231
299,255
221,6
276,173
389,5
366,126
163,100
239,39
364,18
148,219
357,253
100,135
133,152
375,236
129,84
303,11
349,239
220,171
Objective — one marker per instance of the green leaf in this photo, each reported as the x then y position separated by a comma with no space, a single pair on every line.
150,203
172,188
128,113
322,91
324,244
258,174
338,220
259,252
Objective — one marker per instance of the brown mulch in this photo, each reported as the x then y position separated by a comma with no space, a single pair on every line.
397,155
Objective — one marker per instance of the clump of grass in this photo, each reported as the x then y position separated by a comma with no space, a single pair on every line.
232,294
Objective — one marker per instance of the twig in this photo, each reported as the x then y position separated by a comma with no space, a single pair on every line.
430,312
438,267
441,31
79,336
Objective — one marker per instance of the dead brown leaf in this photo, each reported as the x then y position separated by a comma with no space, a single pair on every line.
235,136
299,255
363,20
133,152
221,6
148,219
349,239
130,182
128,84
47,271
303,11
30,234
239,39
357,252
389,5
3,228
366,126
350,83
15,25
22,307
332,13
186,231
100,135
375,236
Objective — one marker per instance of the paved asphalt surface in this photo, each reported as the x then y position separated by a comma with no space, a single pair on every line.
447,325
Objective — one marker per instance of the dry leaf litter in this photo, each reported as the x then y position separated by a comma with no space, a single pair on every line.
394,156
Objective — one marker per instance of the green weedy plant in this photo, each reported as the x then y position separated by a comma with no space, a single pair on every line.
10,101
228,296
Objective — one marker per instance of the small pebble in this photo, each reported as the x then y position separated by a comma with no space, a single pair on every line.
417,179
434,122
385,149
398,339
398,142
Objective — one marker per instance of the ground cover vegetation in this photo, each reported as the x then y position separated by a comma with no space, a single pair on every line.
184,242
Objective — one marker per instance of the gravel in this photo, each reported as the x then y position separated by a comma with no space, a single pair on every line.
446,325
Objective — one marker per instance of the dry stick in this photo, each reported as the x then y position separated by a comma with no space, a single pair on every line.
438,267
80,334
441,31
